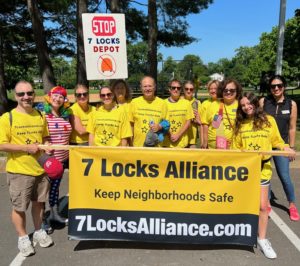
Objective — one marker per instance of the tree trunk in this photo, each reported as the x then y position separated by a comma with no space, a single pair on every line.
152,38
45,65
3,93
81,66
114,6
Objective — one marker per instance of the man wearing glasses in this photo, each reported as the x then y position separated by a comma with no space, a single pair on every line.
146,112
21,131
180,114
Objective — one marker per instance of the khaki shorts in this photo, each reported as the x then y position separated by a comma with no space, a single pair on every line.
26,188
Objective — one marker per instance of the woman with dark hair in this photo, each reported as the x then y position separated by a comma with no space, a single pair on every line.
122,93
284,111
109,125
80,113
218,123
255,130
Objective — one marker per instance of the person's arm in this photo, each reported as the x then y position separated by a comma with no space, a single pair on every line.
177,136
292,126
131,139
124,142
77,125
261,102
204,143
28,148
91,139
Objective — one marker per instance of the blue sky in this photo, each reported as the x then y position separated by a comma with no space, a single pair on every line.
228,24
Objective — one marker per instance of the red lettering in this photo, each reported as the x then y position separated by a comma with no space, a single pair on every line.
104,26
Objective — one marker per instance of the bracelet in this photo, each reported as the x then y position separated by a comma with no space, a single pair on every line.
293,148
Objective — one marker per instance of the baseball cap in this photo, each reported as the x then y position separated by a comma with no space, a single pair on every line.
53,168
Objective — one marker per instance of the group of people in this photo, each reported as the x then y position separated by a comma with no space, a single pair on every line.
229,119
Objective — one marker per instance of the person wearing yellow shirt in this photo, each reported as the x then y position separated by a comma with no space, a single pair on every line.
80,113
255,130
220,116
146,112
21,131
180,114
194,130
109,125
122,93
212,88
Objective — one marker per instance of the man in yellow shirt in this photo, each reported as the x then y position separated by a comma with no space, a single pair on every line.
21,131
146,112
180,114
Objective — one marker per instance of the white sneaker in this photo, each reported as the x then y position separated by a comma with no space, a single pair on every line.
42,238
25,246
266,248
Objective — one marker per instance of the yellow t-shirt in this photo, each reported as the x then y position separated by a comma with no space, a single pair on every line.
178,114
109,127
76,110
193,129
204,106
25,129
261,140
141,113
229,115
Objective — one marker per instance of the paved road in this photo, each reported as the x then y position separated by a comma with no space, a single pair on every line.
67,252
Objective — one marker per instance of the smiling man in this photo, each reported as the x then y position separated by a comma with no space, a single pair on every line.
180,114
22,130
146,112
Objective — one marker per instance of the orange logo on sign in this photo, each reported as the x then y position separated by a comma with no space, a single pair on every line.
107,65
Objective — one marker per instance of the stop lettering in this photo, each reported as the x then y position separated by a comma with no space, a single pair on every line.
103,26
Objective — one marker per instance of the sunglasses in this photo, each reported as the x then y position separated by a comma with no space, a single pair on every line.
273,86
175,88
22,94
189,89
84,94
108,95
231,91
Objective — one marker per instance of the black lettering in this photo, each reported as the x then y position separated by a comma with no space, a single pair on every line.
171,170
153,168
103,168
141,169
117,169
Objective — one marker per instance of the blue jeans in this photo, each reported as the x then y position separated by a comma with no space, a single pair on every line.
282,165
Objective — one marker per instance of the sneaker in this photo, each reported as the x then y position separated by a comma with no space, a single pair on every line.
266,248
42,238
294,215
25,246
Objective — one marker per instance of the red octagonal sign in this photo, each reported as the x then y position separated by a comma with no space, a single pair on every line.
104,26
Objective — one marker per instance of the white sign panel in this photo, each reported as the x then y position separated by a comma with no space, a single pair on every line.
105,46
